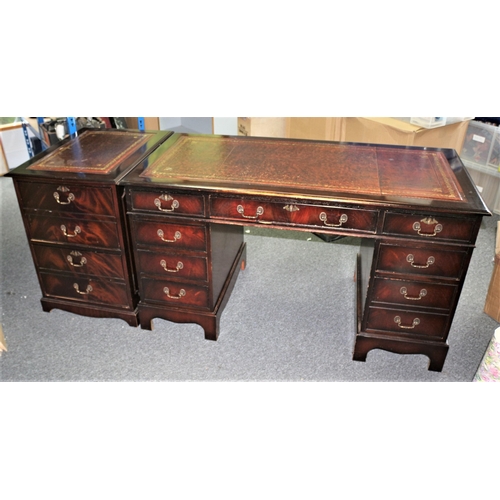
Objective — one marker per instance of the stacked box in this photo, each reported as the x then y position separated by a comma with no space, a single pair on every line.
482,144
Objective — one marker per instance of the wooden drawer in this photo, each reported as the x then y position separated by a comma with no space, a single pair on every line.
314,216
170,235
88,290
67,198
436,227
75,230
425,261
78,261
413,293
178,265
404,322
174,293
167,203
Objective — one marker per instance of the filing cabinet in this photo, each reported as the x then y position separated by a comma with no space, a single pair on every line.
73,214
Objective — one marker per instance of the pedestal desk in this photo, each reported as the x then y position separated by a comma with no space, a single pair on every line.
179,232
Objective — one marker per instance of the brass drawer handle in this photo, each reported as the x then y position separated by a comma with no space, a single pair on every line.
83,260
179,266
397,320
166,197
323,217
86,292
161,234
182,293
404,291
429,221
65,232
241,211
69,199
410,258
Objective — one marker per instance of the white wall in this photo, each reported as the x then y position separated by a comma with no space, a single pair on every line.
226,126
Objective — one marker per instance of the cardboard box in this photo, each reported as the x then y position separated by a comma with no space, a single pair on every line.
3,344
317,128
370,130
394,131
262,127
492,305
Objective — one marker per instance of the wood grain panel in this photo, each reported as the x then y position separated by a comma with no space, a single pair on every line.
170,235
74,231
431,261
72,198
79,261
100,292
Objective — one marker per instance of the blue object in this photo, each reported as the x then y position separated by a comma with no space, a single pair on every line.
140,123
71,125
27,139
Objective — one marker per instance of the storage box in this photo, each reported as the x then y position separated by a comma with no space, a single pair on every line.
429,122
371,130
492,305
487,180
394,131
262,127
482,144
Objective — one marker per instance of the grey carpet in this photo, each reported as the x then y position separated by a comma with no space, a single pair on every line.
290,318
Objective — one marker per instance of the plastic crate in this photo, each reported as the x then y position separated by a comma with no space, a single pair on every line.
482,144
487,181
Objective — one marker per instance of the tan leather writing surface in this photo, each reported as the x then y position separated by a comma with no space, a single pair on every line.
92,152
345,168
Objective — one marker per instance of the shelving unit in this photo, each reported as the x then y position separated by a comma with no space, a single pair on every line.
34,125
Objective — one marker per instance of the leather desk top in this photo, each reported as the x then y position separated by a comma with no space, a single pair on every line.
381,175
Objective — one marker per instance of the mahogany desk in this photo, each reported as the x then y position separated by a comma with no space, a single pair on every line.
416,211
147,225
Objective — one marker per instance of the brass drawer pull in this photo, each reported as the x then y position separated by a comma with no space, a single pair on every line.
397,320
410,258
69,199
166,197
161,234
163,264
86,292
83,260
429,221
323,217
241,211
404,291
182,293
65,232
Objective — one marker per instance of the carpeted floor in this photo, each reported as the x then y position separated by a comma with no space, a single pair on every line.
290,318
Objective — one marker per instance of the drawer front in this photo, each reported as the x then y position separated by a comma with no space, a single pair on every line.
78,261
88,290
426,261
413,293
74,231
403,322
168,264
170,235
177,294
340,218
168,203
434,227
67,198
